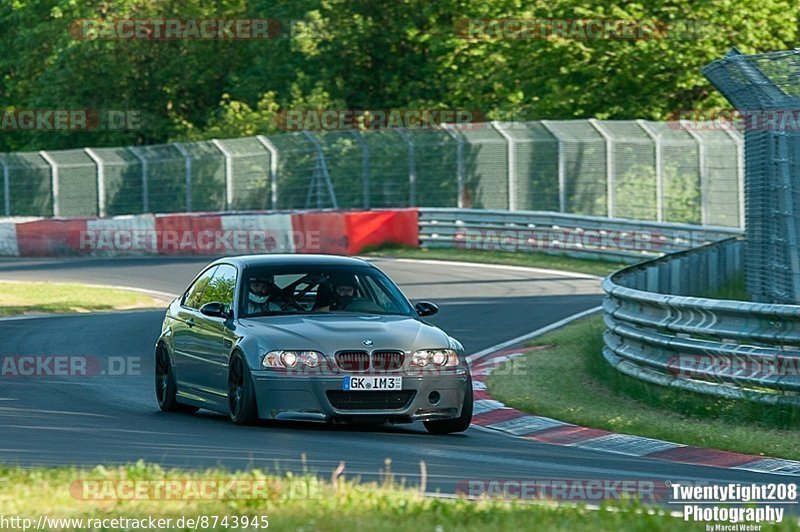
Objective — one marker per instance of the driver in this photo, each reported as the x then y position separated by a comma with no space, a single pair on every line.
344,288
259,297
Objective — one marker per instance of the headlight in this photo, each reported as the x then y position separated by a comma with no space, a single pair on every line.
311,359
420,359
440,358
291,359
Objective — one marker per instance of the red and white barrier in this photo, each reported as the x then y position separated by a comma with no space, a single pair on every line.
180,234
271,233
214,234
50,237
329,228
372,228
8,239
120,234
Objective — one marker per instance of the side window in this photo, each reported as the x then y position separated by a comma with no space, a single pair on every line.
221,287
195,292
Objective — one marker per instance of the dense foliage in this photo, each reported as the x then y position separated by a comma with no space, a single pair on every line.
366,54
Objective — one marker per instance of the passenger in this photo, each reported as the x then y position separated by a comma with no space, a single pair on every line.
344,288
264,295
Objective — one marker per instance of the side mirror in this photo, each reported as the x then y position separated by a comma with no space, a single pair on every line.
426,308
215,310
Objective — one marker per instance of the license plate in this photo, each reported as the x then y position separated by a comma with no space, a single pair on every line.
366,384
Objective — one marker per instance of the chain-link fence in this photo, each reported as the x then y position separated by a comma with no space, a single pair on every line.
657,171
765,89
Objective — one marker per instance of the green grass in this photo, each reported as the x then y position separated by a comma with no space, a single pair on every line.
45,298
534,260
568,379
307,503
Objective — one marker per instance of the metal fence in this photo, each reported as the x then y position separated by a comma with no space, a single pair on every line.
765,89
658,331
620,169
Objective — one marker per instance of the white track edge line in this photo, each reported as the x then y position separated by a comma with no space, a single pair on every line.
519,339
560,273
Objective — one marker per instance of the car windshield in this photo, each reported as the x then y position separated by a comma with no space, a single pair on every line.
319,289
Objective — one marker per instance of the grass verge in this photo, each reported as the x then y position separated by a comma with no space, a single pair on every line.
20,298
568,379
289,502
533,260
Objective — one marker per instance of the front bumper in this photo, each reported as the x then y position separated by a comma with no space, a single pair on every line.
282,396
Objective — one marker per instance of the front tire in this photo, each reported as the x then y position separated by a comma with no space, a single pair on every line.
166,387
241,396
458,424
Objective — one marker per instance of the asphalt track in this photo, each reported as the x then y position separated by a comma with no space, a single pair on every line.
107,419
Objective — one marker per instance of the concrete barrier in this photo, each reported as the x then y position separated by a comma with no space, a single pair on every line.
210,233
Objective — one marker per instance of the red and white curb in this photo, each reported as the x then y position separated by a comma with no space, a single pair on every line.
494,415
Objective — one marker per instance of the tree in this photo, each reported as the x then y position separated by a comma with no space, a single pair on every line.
364,54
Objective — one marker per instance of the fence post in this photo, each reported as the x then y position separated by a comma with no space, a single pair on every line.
448,128
273,169
182,149
656,138
365,166
54,182
323,166
610,181
701,167
101,181
562,165
228,172
739,141
412,168
512,166
6,187
785,209
145,182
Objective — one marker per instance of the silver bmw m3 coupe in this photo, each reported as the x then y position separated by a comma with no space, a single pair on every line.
309,337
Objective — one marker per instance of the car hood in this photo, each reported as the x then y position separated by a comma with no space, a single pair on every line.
331,333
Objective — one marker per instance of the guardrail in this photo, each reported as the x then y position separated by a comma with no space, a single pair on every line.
657,331
591,237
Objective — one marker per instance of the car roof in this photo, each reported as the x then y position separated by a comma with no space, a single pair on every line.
245,261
